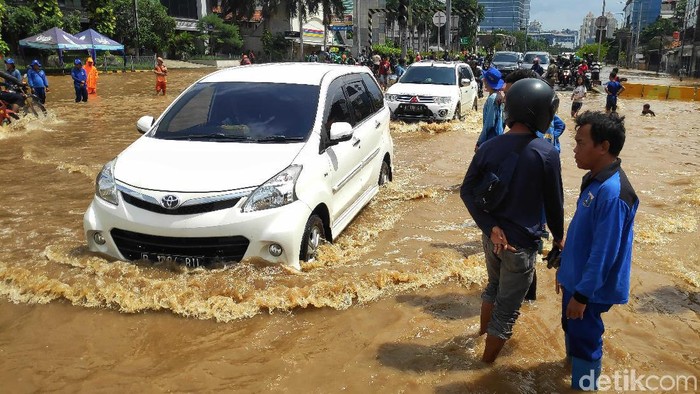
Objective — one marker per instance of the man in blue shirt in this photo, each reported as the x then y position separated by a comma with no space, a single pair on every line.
512,229
12,68
493,110
613,89
79,81
596,260
36,78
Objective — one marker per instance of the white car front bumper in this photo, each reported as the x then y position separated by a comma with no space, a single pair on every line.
132,233
430,111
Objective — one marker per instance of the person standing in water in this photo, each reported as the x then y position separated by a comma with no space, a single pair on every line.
92,76
161,72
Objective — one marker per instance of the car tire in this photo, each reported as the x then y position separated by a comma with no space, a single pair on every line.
314,235
475,106
384,174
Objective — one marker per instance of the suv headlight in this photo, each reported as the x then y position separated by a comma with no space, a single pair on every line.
443,100
105,185
276,192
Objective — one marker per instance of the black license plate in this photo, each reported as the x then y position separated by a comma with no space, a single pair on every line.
187,261
414,108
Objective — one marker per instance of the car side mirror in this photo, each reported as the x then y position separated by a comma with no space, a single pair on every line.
466,81
341,131
144,124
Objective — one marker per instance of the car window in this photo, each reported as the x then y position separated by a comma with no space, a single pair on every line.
465,72
505,57
430,75
226,111
374,91
530,58
360,101
336,108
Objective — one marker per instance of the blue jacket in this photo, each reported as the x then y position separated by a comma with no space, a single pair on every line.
556,129
37,79
493,120
597,257
79,75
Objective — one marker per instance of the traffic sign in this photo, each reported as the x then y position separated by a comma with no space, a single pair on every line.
439,19
601,22
464,40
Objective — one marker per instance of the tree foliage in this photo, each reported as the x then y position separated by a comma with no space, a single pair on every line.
20,22
182,44
662,27
155,26
71,22
219,33
101,15
593,48
275,46
305,8
4,48
48,14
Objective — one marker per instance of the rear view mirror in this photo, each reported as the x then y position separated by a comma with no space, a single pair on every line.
466,81
144,124
340,131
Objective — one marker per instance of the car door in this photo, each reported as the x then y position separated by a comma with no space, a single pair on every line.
367,134
469,91
342,156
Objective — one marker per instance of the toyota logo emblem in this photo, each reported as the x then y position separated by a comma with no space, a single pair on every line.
170,201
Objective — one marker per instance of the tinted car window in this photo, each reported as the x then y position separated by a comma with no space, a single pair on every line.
505,57
224,111
359,99
530,58
374,91
465,72
430,75
337,108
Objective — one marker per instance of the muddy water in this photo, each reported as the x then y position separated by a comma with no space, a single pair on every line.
392,306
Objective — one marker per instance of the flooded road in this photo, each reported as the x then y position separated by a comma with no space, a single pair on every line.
392,306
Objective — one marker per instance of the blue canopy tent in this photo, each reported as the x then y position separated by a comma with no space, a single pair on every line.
56,39
97,42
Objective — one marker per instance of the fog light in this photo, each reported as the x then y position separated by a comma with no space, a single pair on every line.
98,238
276,250
442,113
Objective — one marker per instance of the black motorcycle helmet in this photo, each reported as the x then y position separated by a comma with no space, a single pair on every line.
532,102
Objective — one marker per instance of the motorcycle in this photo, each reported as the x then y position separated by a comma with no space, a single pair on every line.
565,77
32,104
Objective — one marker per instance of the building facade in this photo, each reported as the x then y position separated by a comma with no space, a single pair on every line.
588,28
641,13
509,15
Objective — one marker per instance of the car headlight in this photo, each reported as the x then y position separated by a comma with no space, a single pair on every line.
443,100
276,192
391,97
105,185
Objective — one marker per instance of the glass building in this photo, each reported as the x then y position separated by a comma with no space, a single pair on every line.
641,13
510,15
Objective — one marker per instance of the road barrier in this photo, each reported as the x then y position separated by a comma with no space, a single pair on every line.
661,92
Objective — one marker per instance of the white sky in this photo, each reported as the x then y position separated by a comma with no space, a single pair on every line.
569,14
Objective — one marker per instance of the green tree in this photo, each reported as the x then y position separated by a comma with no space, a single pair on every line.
4,48
71,22
101,15
155,26
593,48
20,22
182,45
662,27
48,14
219,33
275,46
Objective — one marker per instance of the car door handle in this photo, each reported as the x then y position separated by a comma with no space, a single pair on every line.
356,143
377,124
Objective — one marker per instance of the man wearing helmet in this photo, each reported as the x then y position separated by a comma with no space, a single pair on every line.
527,171
537,67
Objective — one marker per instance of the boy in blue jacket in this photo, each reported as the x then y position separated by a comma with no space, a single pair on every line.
36,78
79,81
597,257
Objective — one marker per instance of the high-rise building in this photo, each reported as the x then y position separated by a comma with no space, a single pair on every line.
588,28
510,15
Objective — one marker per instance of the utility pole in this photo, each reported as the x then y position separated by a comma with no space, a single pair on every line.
639,29
448,25
600,40
301,36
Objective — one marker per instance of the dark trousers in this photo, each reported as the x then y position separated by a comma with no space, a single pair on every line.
585,336
81,93
40,93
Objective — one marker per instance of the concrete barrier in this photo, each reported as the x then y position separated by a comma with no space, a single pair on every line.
632,90
655,92
661,92
683,93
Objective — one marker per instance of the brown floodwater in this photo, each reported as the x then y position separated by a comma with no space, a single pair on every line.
392,306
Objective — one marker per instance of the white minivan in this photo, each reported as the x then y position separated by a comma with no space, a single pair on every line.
252,161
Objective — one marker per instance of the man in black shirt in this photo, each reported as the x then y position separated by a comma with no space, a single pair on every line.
513,227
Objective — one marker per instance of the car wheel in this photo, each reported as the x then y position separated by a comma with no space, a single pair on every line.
458,112
384,174
475,106
314,235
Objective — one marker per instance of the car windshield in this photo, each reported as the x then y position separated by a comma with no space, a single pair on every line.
430,75
530,58
505,58
242,112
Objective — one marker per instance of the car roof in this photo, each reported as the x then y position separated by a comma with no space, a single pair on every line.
438,63
290,73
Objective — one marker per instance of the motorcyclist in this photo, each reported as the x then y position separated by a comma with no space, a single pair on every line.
14,99
536,67
12,69
583,68
552,73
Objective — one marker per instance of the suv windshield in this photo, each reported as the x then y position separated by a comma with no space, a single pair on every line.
530,58
242,111
505,57
430,75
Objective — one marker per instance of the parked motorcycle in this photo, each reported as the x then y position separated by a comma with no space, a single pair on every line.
565,77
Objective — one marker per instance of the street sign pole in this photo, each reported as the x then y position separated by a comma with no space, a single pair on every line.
605,29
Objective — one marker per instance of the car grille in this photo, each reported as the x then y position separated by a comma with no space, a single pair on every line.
182,210
404,98
213,249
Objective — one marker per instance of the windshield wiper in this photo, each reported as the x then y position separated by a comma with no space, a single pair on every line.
213,136
279,138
